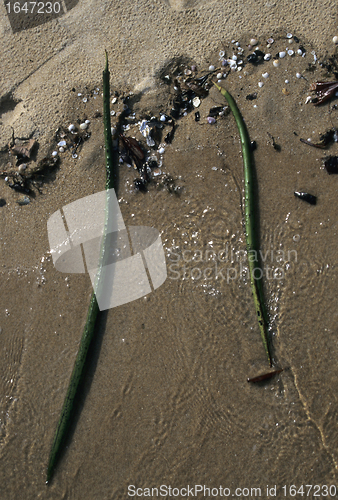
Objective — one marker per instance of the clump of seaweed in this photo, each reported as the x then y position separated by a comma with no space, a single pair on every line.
324,91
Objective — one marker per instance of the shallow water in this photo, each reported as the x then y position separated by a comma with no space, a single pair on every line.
166,399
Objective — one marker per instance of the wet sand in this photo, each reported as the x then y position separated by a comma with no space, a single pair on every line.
165,400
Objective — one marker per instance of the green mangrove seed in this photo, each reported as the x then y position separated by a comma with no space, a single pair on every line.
93,310
250,229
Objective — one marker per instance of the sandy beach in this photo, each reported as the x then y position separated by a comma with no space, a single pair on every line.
165,400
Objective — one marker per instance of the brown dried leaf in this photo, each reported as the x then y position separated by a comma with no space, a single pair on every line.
24,150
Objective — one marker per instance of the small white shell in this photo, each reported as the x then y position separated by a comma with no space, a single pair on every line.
219,76
163,118
196,102
267,57
234,57
71,127
62,143
22,167
83,126
260,84
300,52
253,41
335,39
289,35
161,150
276,63
298,75
62,150
265,75
113,101
211,68
282,54
87,121
55,153
290,52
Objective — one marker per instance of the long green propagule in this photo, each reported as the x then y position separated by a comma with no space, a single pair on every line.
250,230
89,329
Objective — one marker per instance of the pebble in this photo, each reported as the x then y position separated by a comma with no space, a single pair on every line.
22,167
211,120
282,54
2,204
211,68
24,200
83,126
276,63
335,39
71,127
